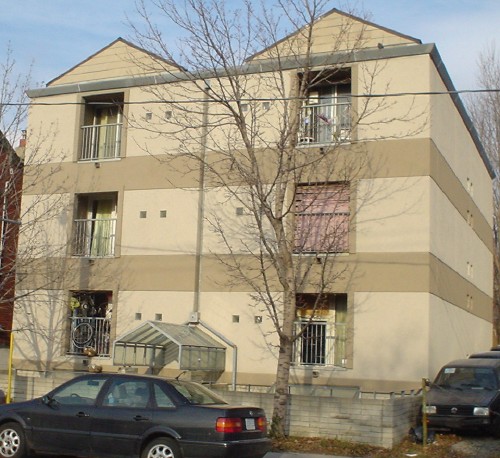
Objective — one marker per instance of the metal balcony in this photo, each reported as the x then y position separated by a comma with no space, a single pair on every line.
94,237
89,332
101,142
325,123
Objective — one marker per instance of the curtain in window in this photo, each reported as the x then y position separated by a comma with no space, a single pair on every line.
102,234
339,351
107,119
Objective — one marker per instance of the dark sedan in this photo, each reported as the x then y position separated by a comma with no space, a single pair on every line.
118,415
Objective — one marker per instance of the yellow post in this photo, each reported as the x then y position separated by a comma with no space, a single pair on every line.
9,377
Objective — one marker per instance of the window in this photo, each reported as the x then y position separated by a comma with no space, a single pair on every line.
102,129
313,342
322,218
95,225
321,330
80,392
90,323
326,115
196,394
162,399
126,393
467,378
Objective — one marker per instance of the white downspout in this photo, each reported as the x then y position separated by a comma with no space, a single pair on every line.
201,210
195,315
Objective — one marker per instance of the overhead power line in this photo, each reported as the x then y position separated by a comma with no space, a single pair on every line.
250,99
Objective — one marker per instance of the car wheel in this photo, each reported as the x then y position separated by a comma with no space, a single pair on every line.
163,447
12,443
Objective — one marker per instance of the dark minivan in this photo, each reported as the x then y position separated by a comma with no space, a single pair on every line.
466,395
493,353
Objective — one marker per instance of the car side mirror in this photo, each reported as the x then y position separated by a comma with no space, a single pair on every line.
48,400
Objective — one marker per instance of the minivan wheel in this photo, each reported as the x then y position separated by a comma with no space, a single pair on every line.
12,443
163,447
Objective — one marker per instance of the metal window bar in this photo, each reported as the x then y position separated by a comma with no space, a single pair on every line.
94,237
89,333
310,348
325,123
319,346
100,142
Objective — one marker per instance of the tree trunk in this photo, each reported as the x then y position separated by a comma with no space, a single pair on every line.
281,394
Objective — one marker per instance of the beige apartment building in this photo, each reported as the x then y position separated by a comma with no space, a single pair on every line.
129,273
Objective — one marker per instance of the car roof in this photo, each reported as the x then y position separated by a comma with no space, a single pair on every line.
475,362
133,376
486,354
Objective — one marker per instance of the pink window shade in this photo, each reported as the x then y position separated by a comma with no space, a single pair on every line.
322,218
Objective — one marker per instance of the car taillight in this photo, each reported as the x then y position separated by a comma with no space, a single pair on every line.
228,425
262,424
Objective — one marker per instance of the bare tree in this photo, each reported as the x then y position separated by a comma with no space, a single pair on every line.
24,230
13,99
485,111
13,111
240,113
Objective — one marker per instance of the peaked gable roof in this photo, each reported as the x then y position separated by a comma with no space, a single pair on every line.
118,59
337,31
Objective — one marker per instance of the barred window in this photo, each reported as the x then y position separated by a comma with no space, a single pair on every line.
321,330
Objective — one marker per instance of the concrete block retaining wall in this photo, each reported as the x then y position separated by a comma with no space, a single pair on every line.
380,422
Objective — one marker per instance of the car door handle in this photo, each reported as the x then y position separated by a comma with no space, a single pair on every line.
141,418
82,414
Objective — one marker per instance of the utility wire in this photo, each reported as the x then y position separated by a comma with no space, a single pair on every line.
251,99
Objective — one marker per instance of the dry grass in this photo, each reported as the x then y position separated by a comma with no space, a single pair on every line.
440,448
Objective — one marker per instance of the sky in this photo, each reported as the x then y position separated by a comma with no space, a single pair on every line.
55,35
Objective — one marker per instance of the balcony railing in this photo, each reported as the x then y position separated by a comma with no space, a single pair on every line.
100,142
325,123
89,333
94,237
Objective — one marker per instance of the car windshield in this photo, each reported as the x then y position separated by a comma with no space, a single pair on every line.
196,394
79,391
460,378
